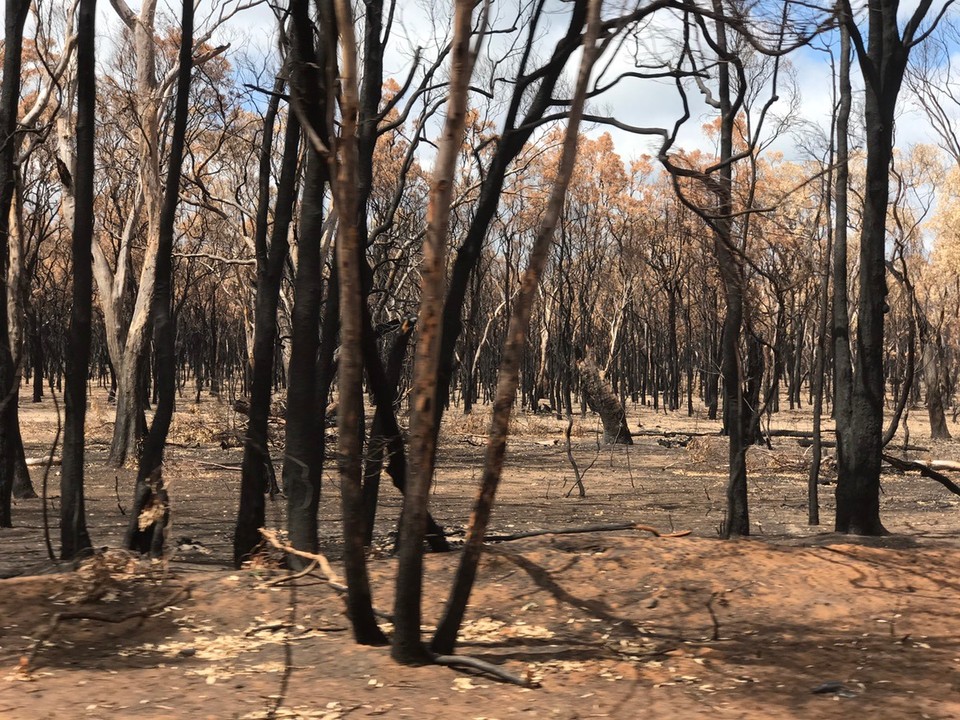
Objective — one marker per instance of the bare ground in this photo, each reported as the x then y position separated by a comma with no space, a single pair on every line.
612,624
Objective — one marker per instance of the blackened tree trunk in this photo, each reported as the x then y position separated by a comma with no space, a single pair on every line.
883,61
74,537
36,355
381,444
819,360
311,70
150,513
14,20
427,396
350,412
604,401
256,467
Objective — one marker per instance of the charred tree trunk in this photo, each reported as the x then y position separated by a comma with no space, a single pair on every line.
819,359
883,61
302,466
74,537
150,497
257,465
14,20
36,356
349,252
934,379
428,398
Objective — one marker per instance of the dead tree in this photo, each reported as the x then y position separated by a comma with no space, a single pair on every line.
150,507
882,58
74,537
514,346
424,421
16,15
604,401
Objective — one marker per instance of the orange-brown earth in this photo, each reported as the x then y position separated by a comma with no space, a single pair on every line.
611,624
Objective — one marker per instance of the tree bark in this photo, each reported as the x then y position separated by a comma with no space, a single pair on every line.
74,538
149,492
14,20
256,466
604,402
426,396
350,411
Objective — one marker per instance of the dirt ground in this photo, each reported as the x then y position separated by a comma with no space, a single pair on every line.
796,622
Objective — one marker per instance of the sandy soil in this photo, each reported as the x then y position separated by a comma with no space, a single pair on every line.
612,624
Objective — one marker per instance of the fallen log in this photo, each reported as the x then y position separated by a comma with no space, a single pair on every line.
609,527
41,461
675,433
924,469
832,444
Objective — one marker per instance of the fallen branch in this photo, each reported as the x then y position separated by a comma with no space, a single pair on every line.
833,444
489,668
41,461
294,576
924,469
26,661
675,433
207,463
609,527
330,576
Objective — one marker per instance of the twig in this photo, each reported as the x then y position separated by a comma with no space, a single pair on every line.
573,463
331,578
234,468
294,576
489,668
713,615
116,489
586,529
46,476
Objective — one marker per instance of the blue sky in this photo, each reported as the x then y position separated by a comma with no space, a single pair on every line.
251,34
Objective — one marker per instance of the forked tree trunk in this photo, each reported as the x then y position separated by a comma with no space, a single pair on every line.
604,401
350,412
425,398
303,458
150,510
514,346
883,61
256,467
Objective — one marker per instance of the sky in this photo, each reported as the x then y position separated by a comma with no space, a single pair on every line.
251,34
